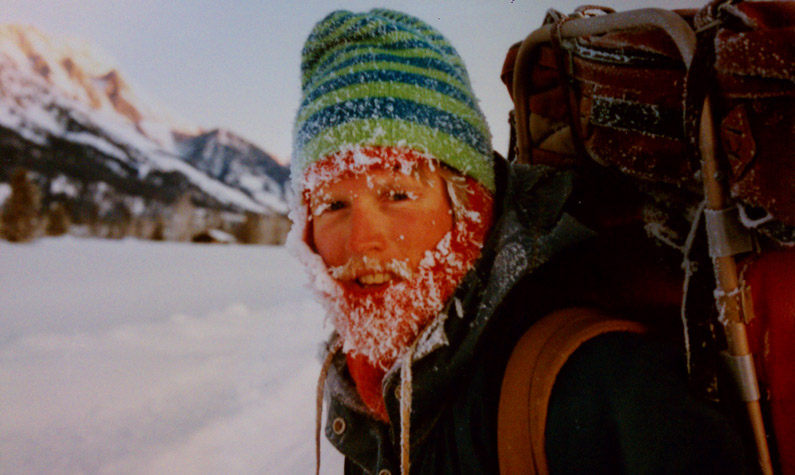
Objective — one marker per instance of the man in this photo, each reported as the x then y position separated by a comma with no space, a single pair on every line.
432,257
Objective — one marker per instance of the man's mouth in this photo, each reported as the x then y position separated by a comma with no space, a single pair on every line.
373,279
370,275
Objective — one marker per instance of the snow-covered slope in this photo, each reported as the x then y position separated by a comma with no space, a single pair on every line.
58,94
138,357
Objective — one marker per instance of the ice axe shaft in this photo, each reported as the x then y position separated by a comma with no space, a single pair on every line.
728,283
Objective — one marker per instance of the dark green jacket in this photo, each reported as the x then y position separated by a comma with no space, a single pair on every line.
620,405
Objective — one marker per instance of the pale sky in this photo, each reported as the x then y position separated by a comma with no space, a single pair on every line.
235,63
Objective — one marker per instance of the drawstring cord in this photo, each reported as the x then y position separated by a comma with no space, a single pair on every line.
321,385
689,267
405,408
405,404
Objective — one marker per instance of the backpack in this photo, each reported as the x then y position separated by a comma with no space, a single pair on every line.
683,123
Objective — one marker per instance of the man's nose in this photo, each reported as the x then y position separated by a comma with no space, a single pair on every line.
367,234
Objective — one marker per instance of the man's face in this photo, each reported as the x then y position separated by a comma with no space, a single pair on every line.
381,222
383,215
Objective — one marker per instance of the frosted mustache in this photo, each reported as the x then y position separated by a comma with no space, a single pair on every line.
355,265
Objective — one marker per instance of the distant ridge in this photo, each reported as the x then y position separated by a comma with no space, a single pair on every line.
69,114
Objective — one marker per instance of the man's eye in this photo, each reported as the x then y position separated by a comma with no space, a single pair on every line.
399,195
336,205
327,206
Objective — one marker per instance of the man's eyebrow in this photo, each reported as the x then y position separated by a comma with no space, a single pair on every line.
401,177
323,197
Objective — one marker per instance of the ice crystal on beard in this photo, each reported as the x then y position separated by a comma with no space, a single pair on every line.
348,271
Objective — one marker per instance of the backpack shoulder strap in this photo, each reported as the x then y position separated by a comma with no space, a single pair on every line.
529,377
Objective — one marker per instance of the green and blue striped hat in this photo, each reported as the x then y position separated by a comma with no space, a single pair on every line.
386,79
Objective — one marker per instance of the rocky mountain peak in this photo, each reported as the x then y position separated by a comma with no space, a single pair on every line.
70,114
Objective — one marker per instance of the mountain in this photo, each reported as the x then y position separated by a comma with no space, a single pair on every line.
92,139
236,162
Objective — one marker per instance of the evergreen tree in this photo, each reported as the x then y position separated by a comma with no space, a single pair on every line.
180,226
57,220
20,212
250,231
118,221
158,234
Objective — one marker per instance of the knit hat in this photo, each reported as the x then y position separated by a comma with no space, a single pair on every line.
386,79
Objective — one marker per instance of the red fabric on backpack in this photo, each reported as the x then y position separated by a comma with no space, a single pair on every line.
771,277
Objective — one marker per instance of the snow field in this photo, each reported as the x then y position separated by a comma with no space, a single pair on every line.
139,357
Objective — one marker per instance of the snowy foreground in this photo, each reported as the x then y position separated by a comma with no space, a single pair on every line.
152,358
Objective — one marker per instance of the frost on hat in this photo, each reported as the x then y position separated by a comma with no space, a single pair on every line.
386,79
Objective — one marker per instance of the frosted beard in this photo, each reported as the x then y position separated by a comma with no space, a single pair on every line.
380,324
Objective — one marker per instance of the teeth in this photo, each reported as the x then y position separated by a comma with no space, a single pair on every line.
375,279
